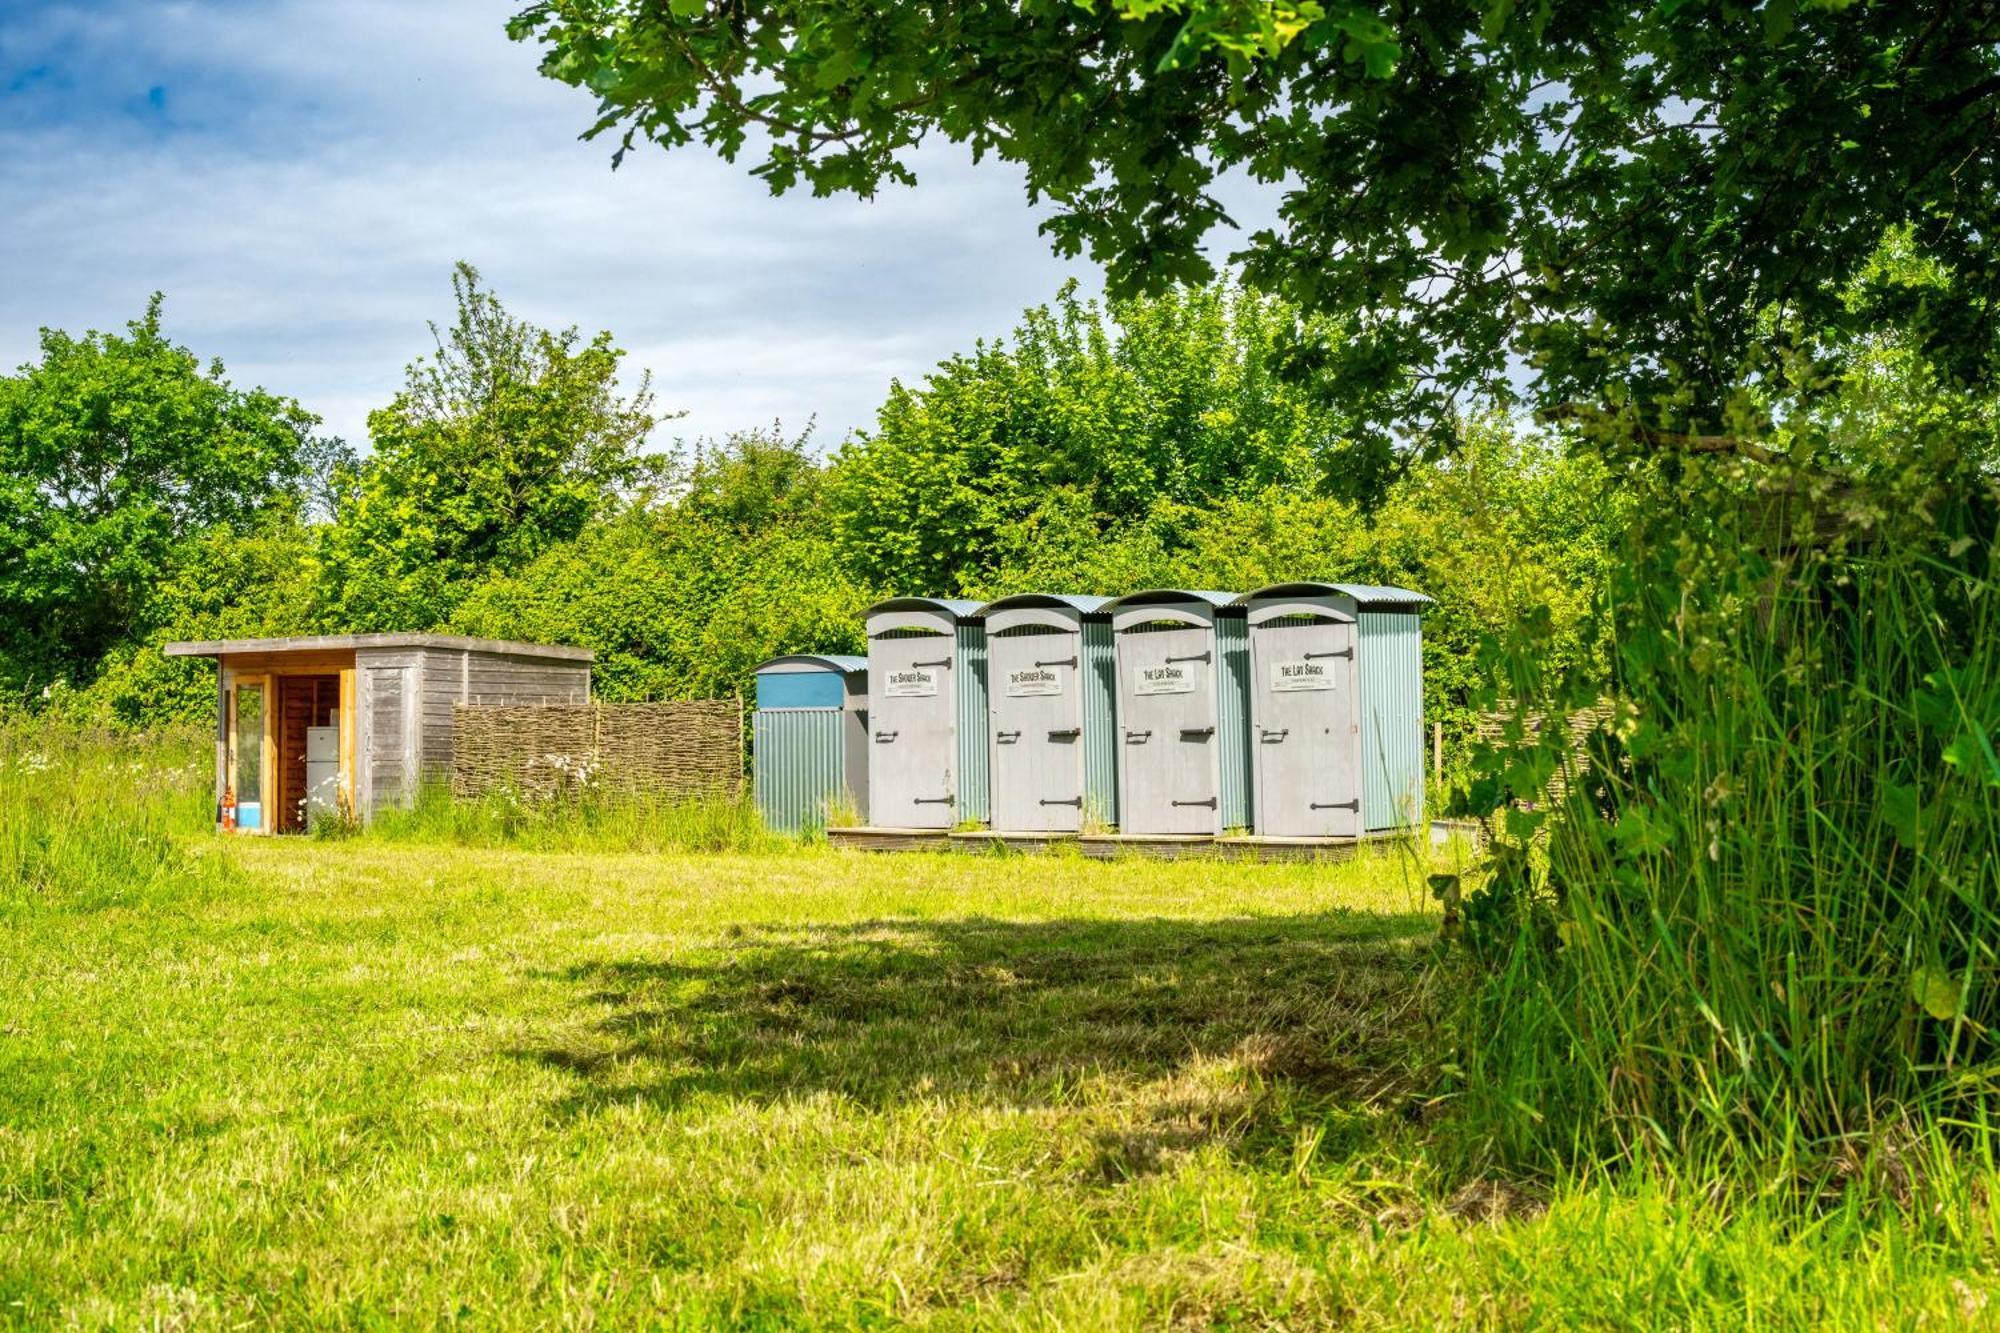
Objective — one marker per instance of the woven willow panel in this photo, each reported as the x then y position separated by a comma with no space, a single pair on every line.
685,748
1582,722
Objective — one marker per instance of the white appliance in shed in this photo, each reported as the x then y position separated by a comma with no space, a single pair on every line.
322,770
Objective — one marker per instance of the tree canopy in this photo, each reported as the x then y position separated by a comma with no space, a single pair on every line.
1660,212
1086,419
504,442
116,452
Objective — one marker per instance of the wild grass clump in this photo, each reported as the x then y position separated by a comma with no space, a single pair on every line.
593,819
1761,925
93,817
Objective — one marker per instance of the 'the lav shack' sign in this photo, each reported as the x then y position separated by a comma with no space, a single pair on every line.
1300,675
1034,680
911,682
1166,678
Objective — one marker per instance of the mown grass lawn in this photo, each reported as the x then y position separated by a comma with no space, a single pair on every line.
365,1083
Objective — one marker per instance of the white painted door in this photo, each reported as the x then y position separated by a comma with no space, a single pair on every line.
913,737
1169,776
1306,740
1035,716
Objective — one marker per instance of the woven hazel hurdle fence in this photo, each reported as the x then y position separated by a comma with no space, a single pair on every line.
684,748
1580,724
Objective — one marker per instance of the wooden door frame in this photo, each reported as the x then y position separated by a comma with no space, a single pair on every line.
267,743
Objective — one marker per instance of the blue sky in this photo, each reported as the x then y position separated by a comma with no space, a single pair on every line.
298,179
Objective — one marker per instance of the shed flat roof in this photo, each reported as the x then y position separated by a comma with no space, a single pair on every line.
322,643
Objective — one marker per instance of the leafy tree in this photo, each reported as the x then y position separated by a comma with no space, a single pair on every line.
115,450
1661,210
223,583
685,599
755,479
503,444
1085,419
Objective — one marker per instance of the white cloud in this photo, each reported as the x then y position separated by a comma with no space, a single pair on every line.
306,175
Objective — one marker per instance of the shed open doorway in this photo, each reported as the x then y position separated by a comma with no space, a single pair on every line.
308,751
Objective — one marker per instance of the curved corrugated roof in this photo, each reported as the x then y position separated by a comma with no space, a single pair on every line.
1364,594
846,663
959,607
1081,603
1168,596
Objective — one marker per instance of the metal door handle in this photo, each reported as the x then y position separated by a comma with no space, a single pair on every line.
1209,803
1192,657
1279,734
1354,805
887,735
942,661
1006,735
1066,734
1078,802
1062,661
933,800
1131,736
1344,652
1197,731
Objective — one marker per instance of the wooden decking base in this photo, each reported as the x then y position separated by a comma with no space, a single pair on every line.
868,838
1109,846
979,840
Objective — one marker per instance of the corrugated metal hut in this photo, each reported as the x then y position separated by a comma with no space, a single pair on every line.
1183,665
1336,706
353,722
1052,676
809,740
927,762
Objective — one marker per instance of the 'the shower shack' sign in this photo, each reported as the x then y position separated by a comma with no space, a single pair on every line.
911,682
1301,675
1033,680
1166,678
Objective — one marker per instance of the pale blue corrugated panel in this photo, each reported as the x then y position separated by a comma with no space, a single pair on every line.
1391,667
796,766
975,781
1232,730
1100,723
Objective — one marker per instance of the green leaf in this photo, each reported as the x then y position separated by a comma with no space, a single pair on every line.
1901,808
1938,993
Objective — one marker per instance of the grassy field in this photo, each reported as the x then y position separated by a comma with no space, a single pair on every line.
382,1081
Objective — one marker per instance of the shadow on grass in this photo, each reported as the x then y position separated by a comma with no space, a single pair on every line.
1240,1025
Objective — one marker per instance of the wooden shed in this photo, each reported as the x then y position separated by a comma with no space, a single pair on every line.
353,722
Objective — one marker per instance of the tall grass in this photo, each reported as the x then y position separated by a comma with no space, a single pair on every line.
93,817
594,820
1761,926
